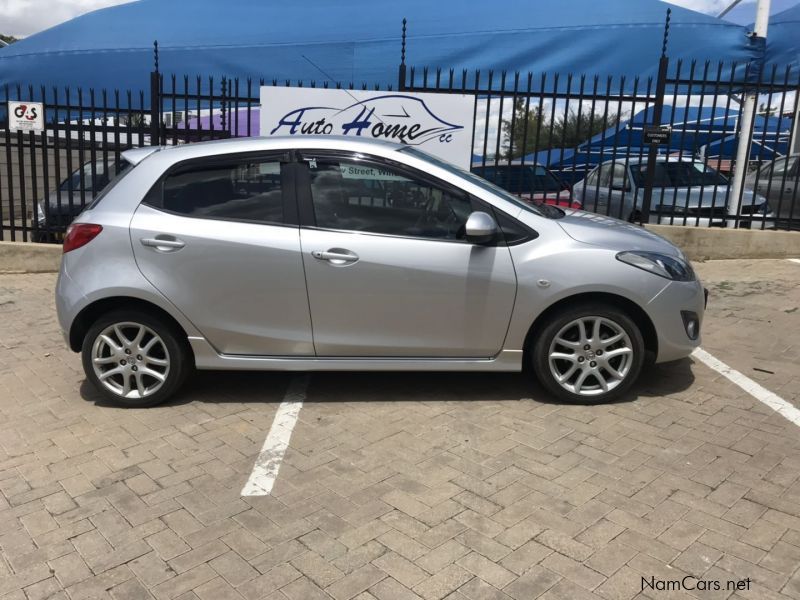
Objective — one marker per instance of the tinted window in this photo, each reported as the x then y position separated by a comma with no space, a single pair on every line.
242,191
521,179
551,212
679,174
358,195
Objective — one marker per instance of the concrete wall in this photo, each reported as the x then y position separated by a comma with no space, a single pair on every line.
698,244
704,243
23,257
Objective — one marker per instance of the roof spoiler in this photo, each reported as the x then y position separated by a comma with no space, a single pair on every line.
137,155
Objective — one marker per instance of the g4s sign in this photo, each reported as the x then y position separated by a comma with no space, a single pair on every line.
25,116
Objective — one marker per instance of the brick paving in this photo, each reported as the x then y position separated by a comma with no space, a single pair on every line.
395,486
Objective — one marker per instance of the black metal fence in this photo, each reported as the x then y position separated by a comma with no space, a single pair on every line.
657,150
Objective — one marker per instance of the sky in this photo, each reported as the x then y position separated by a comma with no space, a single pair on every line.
25,17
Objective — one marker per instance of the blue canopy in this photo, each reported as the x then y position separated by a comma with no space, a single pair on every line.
359,40
783,39
693,128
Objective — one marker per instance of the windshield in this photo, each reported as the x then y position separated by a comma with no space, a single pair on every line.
542,210
122,168
95,175
520,179
677,174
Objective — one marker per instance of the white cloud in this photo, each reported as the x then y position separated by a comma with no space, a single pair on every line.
25,17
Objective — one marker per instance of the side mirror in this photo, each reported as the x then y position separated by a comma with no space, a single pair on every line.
481,228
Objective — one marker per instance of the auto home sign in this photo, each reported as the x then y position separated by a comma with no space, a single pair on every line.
437,123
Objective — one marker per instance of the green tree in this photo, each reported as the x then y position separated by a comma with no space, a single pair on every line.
8,39
567,131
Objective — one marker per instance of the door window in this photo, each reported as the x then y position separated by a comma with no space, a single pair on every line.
619,180
605,175
783,166
358,195
240,191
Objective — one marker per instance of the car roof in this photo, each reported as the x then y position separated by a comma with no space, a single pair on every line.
505,164
263,144
635,160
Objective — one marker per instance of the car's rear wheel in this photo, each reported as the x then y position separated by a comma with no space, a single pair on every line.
588,353
135,359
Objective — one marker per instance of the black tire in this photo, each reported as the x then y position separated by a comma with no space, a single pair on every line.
175,349
540,352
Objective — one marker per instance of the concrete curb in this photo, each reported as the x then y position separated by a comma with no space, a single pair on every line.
707,243
699,243
26,257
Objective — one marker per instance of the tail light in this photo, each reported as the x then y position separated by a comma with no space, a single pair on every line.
80,234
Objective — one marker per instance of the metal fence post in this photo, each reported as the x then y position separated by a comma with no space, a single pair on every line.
401,80
658,108
155,101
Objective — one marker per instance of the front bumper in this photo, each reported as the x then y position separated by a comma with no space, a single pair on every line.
665,311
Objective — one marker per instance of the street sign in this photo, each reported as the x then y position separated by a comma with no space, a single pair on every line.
25,116
657,135
437,123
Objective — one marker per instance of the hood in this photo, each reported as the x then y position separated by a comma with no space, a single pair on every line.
599,230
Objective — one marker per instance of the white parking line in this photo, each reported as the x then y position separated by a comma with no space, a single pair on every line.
794,260
268,462
763,395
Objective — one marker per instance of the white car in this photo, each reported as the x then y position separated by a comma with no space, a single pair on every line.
685,192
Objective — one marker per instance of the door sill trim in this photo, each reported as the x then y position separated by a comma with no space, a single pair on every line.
207,358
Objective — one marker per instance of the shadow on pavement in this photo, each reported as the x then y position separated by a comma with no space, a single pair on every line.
270,387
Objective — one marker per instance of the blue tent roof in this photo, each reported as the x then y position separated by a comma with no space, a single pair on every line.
783,39
359,40
692,128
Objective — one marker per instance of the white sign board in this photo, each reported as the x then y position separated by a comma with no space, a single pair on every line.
25,116
440,124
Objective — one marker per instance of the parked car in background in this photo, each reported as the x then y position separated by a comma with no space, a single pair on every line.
685,192
779,182
532,182
55,212
339,254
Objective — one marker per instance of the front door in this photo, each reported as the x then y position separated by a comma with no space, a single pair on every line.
389,272
220,241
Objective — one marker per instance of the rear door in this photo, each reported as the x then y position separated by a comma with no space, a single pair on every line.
219,238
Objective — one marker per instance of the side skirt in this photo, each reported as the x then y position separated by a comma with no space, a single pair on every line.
207,358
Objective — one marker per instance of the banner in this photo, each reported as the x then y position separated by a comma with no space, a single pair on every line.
440,124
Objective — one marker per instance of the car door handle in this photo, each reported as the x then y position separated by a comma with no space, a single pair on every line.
163,243
335,256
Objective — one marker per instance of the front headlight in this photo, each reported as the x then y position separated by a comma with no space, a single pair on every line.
662,265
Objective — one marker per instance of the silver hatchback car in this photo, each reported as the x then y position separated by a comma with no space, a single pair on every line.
305,254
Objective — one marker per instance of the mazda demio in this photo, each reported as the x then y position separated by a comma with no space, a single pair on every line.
335,254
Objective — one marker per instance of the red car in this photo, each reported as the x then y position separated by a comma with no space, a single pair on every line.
532,182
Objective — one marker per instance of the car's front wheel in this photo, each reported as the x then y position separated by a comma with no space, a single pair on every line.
588,353
135,359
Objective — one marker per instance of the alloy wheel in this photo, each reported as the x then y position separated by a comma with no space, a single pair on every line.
590,356
130,360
